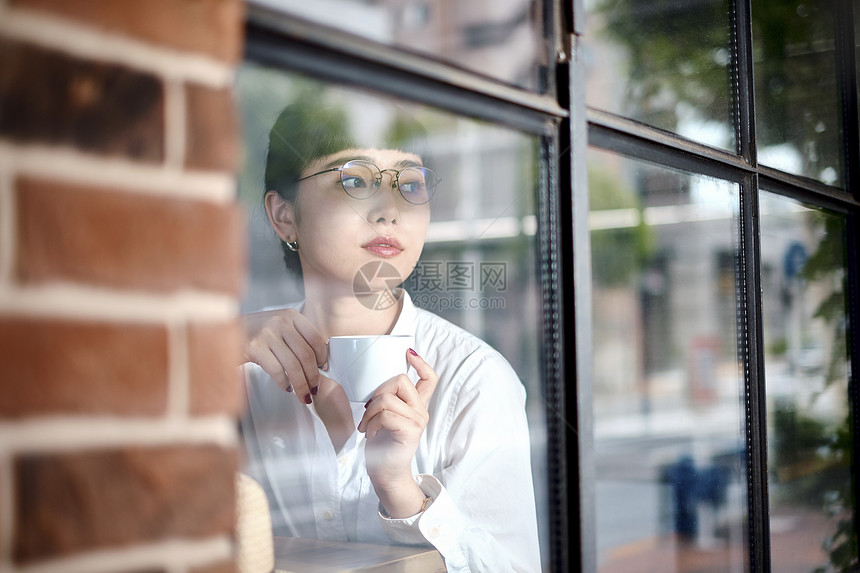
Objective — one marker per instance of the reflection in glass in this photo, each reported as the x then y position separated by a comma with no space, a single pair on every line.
502,39
806,367
668,392
798,118
666,64
477,270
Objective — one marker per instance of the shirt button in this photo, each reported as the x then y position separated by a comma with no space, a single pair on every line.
434,533
328,515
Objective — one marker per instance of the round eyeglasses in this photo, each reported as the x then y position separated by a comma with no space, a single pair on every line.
361,179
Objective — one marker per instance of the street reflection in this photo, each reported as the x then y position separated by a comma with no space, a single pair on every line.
668,390
502,39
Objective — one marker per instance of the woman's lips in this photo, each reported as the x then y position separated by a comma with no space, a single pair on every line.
383,247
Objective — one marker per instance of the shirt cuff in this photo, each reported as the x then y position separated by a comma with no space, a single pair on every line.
440,525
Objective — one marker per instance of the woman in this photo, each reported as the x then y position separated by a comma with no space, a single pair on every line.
439,457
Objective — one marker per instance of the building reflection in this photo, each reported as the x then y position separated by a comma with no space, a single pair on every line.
502,39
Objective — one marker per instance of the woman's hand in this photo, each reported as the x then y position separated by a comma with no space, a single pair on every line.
288,347
393,423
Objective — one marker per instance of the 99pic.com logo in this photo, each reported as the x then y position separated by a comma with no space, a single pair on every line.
440,286
374,285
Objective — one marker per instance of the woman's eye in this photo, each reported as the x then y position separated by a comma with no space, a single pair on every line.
354,182
412,187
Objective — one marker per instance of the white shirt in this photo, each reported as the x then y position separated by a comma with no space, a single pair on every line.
473,459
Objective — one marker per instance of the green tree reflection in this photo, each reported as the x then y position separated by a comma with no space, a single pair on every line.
831,448
680,56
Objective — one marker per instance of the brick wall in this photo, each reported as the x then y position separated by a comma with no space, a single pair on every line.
121,260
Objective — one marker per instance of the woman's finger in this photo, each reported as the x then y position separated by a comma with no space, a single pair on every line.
296,345
315,340
288,370
305,361
428,378
402,387
271,365
391,403
296,374
392,422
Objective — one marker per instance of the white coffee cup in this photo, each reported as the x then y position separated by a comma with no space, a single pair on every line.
362,363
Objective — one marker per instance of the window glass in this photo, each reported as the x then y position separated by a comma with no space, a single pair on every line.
664,63
806,367
798,118
476,319
668,388
502,39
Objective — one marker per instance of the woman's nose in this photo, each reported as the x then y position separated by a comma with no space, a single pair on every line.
384,203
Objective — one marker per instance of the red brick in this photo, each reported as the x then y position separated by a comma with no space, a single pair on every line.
49,97
210,27
67,367
80,501
89,235
214,357
212,132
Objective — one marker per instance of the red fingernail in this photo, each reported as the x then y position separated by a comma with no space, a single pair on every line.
315,390
368,403
290,388
308,399
412,352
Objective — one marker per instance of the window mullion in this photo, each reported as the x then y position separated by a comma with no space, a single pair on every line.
742,80
847,66
574,203
848,81
750,339
751,351
853,311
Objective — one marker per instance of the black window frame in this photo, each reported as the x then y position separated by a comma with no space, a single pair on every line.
566,128
635,140
281,41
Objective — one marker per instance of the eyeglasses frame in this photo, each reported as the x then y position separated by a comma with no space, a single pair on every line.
395,180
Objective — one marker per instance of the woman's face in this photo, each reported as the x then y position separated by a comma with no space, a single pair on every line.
339,234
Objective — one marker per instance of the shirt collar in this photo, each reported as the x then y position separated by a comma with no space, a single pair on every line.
405,323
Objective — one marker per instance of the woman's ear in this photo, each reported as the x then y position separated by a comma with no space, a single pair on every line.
282,216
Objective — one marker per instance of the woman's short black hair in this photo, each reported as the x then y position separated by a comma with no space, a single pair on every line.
307,130
302,133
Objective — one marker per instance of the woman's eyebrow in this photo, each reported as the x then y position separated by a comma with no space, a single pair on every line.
407,163
339,161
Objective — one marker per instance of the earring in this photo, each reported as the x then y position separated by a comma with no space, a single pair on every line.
293,245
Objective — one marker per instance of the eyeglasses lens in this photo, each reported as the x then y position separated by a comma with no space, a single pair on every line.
413,183
360,179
